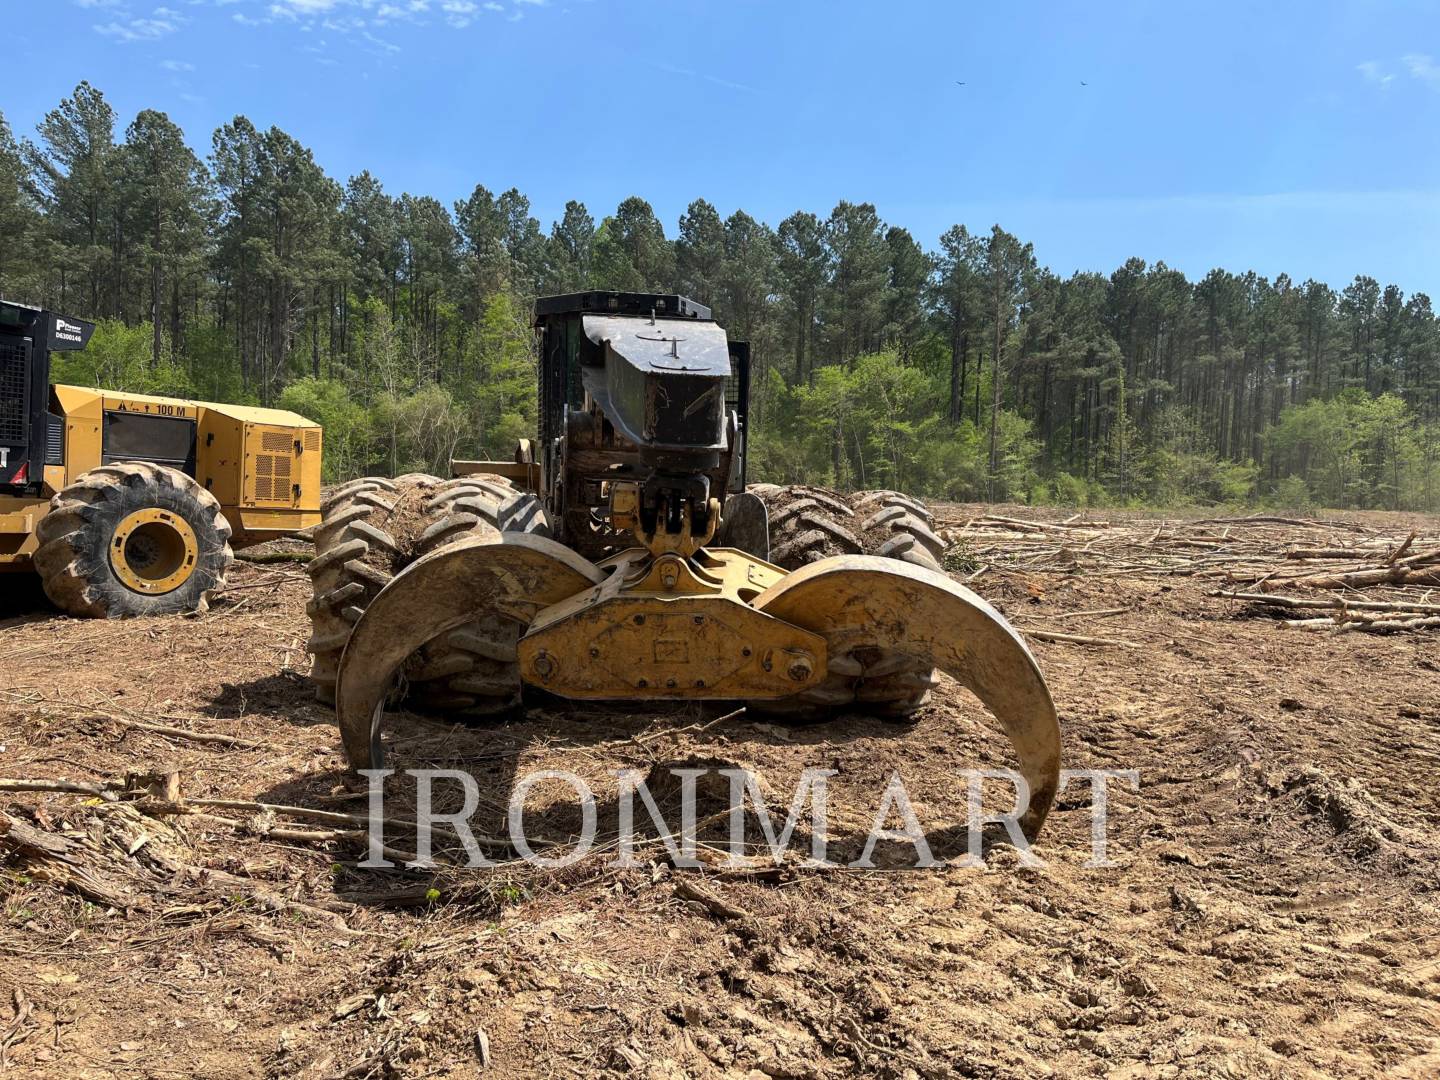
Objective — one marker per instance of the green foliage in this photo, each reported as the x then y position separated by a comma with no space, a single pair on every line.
1291,493
959,559
501,392
1187,478
213,367
1355,450
119,358
1069,490
872,424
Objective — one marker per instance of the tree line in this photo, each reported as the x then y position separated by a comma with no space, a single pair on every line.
968,371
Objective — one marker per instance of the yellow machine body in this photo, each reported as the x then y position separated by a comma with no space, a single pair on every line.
668,626
263,465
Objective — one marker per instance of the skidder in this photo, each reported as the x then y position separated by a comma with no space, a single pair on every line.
629,561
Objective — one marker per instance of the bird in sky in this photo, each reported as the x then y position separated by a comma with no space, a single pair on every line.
959,83
1084,83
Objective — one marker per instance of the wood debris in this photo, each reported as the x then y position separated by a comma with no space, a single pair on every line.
1353,576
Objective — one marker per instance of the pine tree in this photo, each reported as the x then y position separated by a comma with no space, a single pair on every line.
20,223
570,250
72,175
700,254
164,204
803,270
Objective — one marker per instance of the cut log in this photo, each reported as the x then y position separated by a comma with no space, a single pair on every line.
1078,639
1332,603
1402,573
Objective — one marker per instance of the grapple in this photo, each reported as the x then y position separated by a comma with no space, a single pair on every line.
633,600
717,625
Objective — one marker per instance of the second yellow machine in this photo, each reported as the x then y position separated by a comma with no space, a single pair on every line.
127,504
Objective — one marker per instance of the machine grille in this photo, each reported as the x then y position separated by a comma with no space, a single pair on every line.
54,440
14,393
272,478
277,442
312,440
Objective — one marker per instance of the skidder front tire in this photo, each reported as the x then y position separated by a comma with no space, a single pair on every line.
899,527
474,669
808,524
132,539
353,549
372,529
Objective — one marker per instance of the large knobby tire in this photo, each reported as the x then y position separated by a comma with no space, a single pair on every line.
373,528
808,524
898,527
132,538
473,669
347,570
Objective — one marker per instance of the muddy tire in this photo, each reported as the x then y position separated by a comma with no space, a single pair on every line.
353,550
807,524
812,523
132,539
373,528
898,527
473,669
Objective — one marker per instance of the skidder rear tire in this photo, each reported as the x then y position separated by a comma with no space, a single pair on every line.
131,539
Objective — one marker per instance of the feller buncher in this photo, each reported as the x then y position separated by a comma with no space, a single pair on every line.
127,504
622,558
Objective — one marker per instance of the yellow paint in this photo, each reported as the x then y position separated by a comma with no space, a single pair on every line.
255,523
153,551
263,465
18,516
625,514
17,530
273,470
670,627
100,400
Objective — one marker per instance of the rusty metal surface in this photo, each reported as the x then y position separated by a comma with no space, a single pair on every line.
523,474
514,576
856,601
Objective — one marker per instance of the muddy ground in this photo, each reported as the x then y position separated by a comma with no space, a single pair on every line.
1274,909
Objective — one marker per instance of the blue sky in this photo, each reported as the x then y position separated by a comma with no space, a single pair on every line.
1275,136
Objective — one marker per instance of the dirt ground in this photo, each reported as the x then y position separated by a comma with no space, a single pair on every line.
1274,909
